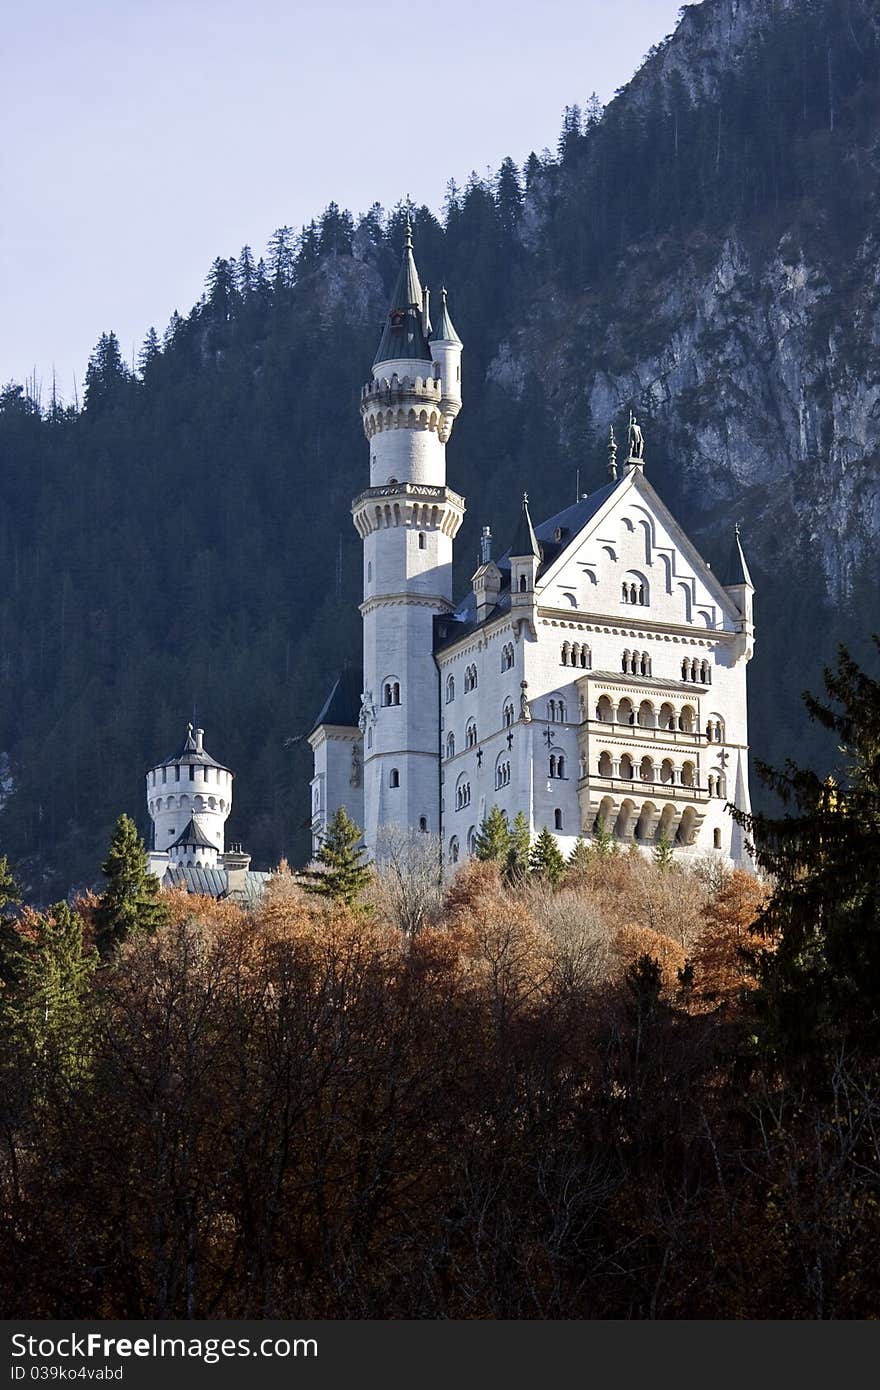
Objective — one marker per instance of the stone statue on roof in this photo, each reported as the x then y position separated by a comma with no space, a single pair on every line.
636,440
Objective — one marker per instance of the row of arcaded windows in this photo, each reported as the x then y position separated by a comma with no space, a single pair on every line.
636,663
696,671
391,692
576,654
471,679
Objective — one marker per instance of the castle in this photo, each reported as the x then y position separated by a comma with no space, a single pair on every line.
595,674
189,798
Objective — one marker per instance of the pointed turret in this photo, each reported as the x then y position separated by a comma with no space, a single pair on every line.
405,335
444,331
738,582
524,541
525,556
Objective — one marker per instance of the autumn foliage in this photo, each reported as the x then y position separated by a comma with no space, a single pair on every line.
539,1104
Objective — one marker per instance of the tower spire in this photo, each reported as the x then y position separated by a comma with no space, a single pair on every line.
405,335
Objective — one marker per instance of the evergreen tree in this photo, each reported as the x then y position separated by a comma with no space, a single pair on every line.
130,902
546,861
280,255
579,859
516,867
344,874
663,853
493,838
106,373
604,842
246,273
150,352
47,1005
508,195
820,969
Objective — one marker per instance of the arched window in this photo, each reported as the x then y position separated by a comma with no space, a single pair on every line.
522,584
391,692
450,745
646,715
450,688
705,673
502,772
624,593
684,670
472,840
625,712
462,792
695,671
453,850
606,765
557,819
646,769
667,771
645,664
507,657
625,663
686,720
604,710
585,657
470,734
666,718
370,737
566,653
423,825
422,540
394,778
716,838
507,713
687,775
626,767
470,679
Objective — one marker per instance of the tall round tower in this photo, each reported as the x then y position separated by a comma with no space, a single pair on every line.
407,519
189,797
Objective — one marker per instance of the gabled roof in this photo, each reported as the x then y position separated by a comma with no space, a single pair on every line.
404,332
343,705
214,883
193,835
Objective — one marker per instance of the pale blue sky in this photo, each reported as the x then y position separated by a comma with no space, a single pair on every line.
142,138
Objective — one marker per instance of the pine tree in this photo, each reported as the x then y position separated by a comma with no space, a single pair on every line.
48,997
280,255
493,839
604,843
663,853
130,902
820,969
546,861
579,859
245,273
149,353
105,374
516,866
344,874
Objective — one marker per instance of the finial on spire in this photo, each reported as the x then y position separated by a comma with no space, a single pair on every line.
525,501
409,240
612,454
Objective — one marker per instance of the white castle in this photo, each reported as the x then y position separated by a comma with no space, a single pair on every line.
189,798
594,675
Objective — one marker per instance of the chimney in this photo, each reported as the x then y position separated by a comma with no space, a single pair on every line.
236,862
487,580
200,739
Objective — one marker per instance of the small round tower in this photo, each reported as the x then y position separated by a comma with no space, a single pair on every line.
189,797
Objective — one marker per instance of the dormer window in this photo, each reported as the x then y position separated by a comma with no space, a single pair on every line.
397,319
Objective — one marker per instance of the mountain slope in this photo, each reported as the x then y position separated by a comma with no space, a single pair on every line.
703,250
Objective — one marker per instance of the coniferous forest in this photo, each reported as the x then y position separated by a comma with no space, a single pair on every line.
180,536
612,1087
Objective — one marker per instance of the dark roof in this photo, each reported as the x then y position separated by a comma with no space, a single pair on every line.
647,682
189,753
193,835
404,331
343,704
214,883
445,330
735,570
449,628
524,542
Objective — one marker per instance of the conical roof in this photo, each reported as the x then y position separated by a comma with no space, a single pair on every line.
444,330
191,753
524,541
404,333
736,571
195,836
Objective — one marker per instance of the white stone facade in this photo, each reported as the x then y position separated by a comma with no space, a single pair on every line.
600,678
190,788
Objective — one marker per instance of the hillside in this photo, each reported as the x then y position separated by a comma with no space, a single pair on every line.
705,249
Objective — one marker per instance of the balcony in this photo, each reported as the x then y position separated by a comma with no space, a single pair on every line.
634,786
645,733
